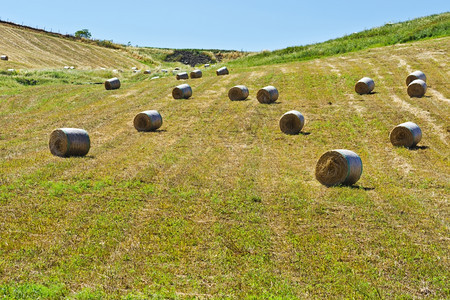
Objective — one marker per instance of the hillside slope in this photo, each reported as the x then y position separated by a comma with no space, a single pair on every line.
390,34
30,49
218,202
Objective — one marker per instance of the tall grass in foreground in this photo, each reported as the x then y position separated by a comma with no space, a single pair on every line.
389,34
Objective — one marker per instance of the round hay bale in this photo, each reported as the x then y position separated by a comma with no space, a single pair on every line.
415,75
182,75
66,142
4,57
183,91
11,70
154,77
72,67
339,167
148,120
222,71
238,92
112,84
407,134
147,72
292,122
66,67
196,74
365,85
164,70
177,69
206,65
268,94
417,88
134,68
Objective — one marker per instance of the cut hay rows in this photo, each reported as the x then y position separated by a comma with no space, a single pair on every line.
66,142
407,134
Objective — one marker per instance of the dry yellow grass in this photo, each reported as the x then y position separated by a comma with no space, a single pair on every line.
220,202
33,50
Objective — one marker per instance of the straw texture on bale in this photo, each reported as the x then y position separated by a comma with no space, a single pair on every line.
66,142
222,71
182,75
292,122
407,134
365,85
339,167
268,94
196,74
112,84
417,88
238,92
148,120
4,57
182,91
415,75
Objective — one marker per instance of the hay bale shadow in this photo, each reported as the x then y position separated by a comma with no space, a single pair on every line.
415,148
359,187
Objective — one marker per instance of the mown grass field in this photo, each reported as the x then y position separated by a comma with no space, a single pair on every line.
219,202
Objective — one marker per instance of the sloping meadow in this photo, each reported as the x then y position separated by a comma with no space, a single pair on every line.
218,202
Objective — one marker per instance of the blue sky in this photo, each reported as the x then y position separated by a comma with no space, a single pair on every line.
242,25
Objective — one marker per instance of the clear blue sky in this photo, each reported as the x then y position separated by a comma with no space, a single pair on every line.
228,24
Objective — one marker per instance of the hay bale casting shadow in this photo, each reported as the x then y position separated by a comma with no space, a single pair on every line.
417,88
339,167
196,74
148,120
66,142
183,91
364,86
238,92
292,122
407,134
182,75
112,84
222,71
268,94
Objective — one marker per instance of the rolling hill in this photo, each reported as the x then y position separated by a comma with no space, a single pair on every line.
36,50
219,202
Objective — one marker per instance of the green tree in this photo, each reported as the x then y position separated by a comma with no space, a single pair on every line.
83,33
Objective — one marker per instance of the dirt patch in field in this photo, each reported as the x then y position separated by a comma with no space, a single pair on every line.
191,58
